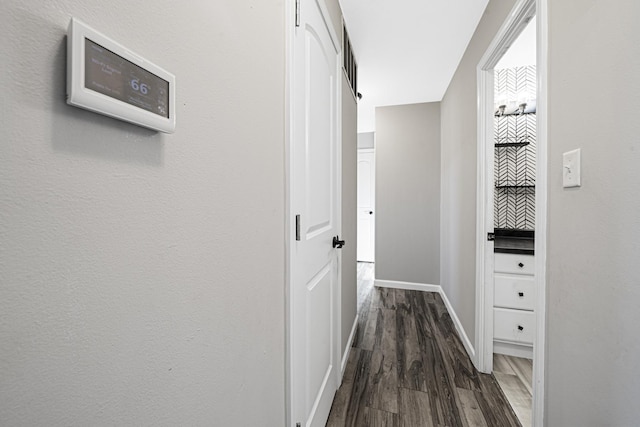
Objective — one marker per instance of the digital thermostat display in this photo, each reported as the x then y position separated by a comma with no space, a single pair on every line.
105,77
114,76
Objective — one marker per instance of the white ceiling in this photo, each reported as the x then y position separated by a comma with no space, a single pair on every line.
407,50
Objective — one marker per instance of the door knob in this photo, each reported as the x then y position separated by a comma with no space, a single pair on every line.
370,212
337,243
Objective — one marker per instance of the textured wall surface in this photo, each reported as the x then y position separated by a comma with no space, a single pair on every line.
349,210
142,274
408,193
594,231
459,151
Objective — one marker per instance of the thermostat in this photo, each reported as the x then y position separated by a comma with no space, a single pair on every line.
105,77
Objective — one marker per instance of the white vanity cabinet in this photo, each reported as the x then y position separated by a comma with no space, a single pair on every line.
513,304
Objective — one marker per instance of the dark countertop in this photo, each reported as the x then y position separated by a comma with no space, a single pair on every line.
514,241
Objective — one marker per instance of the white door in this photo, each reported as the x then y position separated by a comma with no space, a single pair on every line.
315,264
366,206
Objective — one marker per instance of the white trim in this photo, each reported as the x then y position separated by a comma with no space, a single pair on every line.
509,31
540,339
411,286
456,321
484,224
347,351
515,350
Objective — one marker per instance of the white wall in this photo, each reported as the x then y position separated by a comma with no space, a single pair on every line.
593,280
408,193
459,150
142,274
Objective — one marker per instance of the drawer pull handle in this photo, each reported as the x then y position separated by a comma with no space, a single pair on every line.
520,328
520,294
520,265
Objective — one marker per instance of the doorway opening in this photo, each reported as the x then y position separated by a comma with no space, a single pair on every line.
511,209
366,205
514,129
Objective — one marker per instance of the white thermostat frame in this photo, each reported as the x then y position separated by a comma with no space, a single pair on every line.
80,96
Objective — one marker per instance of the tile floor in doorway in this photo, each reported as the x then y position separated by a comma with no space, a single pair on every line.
514,375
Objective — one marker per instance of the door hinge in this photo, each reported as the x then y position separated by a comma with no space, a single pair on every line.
297,13
491,237
298,228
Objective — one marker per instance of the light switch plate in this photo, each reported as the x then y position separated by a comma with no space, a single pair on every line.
571,169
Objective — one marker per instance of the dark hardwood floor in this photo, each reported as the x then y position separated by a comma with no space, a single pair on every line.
408,367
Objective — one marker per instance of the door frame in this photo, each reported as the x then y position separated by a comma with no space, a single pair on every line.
289,220
509,31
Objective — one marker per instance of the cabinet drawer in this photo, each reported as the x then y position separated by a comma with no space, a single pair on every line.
514,292
514,263
515,326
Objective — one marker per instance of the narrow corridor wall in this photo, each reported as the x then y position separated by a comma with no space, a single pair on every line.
349,211
408,193
459,170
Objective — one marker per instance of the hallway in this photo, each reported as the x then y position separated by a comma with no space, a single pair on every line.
408,367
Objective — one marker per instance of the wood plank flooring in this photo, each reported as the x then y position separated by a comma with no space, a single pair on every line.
408,367
514,375
365,279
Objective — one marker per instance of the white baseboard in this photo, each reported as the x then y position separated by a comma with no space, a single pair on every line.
410,286
515,350
456,321
347,351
